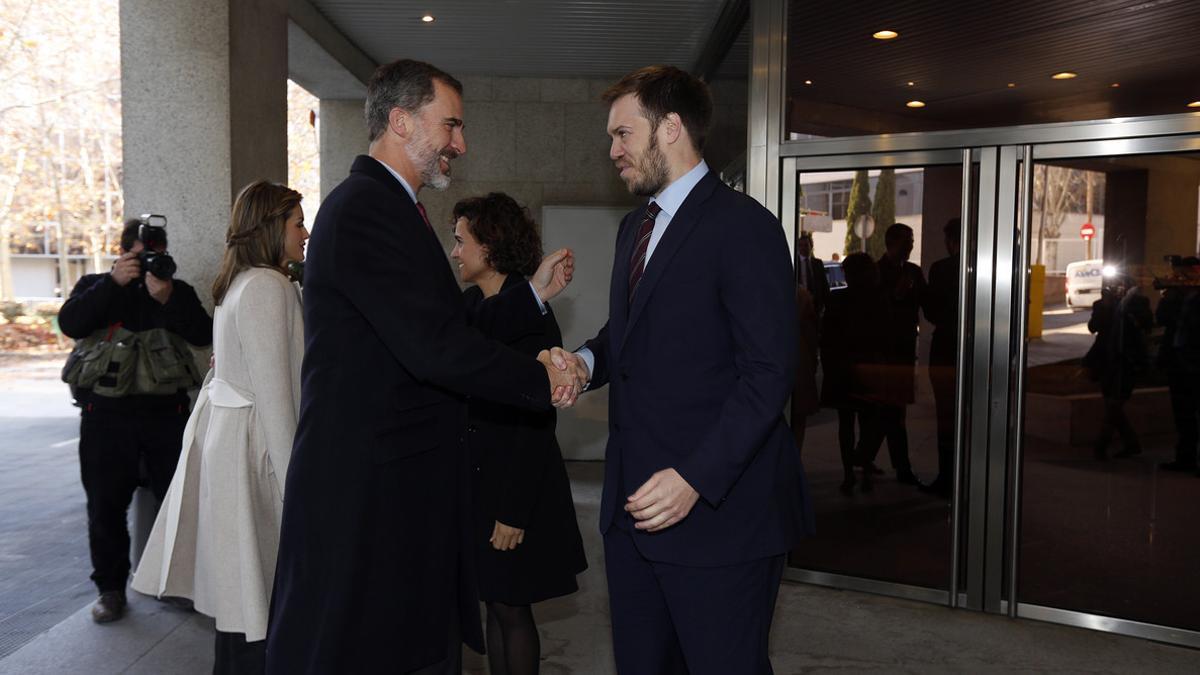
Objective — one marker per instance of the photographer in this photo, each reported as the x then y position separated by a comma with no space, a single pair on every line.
135,409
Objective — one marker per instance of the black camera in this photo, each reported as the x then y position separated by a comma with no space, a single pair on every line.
153,234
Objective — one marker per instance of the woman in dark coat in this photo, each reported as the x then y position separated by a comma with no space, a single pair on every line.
852,361
529,547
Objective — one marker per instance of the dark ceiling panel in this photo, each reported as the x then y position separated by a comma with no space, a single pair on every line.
962,56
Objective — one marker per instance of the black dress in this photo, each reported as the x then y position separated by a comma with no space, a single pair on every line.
518,475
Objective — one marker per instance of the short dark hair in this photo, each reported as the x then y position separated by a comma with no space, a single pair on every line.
405,84
506,228
953,230
857,268
661,90
896,231
129,234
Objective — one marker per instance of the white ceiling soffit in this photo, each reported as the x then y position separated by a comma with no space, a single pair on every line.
312,67
529,38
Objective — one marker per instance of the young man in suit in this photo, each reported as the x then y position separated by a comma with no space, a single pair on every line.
810,272
703,489
373,572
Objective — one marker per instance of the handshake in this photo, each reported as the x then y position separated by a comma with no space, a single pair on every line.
568,375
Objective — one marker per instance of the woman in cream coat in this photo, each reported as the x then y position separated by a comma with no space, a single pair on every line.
217,534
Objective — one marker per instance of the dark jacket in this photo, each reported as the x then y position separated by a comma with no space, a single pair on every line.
850,348
1121,350
98,302
372,551
904,292
519,477
699,369
817,282
941,309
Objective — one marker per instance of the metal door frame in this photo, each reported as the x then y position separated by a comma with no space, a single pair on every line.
990,392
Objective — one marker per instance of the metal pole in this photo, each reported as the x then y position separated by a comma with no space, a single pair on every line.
961,384
1016,441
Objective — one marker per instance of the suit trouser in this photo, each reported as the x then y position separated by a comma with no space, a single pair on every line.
669,619
886,422
1184,402
943,379
112,448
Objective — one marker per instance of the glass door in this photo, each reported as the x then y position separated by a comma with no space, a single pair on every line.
1108,487
876,240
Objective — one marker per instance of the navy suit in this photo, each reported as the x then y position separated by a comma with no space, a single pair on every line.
699,368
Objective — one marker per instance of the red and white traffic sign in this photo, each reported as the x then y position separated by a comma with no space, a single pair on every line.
1087,231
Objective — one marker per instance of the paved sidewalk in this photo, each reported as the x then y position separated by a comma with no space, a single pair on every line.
817,630
44,564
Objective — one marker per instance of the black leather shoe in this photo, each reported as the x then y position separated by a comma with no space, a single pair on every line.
110,606
870,468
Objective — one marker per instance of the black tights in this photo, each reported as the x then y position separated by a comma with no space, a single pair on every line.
512,640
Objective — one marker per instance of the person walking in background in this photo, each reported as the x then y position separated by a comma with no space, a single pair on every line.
525,533
851,358
810,273
941,309
1121,320
902,286
806,398
217,535
1178,359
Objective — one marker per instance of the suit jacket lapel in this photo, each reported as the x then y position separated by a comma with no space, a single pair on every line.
681,226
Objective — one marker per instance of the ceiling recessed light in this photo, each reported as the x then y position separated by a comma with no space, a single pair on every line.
911,83
1194,104
428,18
1065,75
1115,85
885,35
1012,85
808,82
915,104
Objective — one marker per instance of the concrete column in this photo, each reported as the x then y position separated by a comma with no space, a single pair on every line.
203,86
343,135
204,111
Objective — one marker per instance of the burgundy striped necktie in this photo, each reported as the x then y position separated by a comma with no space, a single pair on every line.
637,264
425,216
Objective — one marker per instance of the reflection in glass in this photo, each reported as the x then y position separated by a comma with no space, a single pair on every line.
1109,457
876,262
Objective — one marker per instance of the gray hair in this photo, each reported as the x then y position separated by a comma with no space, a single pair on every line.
404,84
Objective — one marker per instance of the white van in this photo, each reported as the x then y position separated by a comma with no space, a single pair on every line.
1084,281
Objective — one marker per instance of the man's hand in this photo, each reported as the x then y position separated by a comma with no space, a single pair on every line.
126,269
662,501
159,289
553,275
567,376
505,538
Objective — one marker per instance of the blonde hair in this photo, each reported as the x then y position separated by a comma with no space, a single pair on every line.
256,233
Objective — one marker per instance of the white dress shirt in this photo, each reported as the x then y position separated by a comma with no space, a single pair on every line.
669,200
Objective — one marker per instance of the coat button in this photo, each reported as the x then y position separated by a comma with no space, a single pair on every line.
471,429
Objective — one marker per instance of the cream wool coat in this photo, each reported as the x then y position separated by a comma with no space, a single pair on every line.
217,534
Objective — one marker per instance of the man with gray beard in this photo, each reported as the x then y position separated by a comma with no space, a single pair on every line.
373,573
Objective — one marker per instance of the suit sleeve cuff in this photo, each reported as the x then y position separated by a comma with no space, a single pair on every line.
541,305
